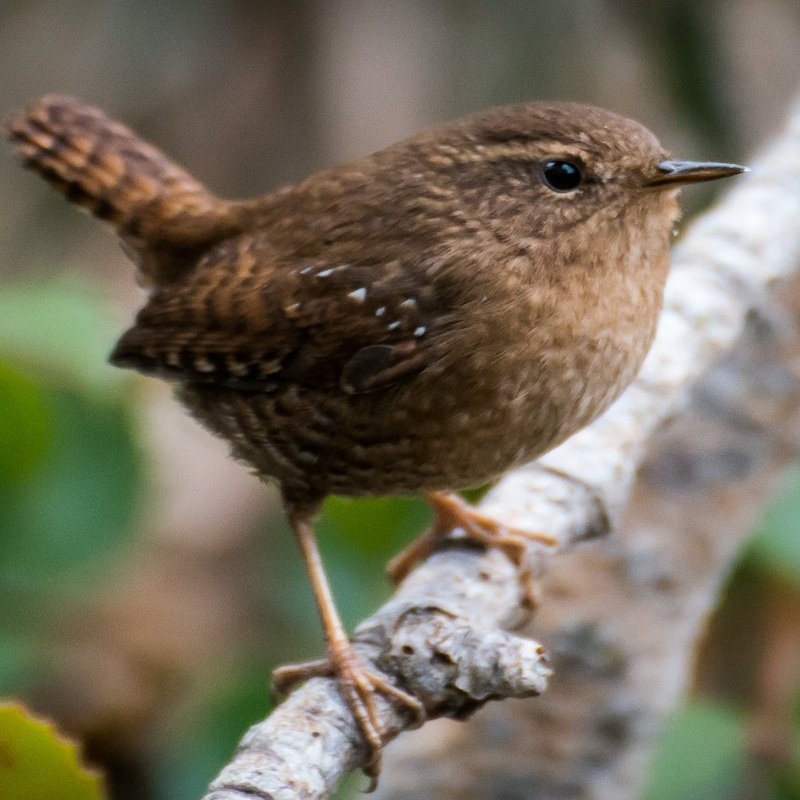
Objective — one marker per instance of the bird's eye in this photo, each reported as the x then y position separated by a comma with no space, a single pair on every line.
561,176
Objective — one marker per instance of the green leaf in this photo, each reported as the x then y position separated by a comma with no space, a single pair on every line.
702,755
25,429
38,763
79,503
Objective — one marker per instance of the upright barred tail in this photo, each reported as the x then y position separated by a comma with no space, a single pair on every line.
162,213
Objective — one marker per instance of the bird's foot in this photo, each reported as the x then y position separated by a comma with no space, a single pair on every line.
358,684
452,512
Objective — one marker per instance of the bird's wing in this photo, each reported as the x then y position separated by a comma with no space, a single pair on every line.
245,319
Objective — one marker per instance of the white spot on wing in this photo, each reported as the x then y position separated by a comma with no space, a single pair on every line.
393,325
359,295
409,302
270,367
203,365
420,331
237,368
325,273
379,312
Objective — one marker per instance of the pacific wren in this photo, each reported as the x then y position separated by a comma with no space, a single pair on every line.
419,320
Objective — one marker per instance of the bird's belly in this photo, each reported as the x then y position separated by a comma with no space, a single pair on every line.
455,431
470,428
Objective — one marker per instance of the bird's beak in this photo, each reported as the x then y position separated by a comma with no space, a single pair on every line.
676,173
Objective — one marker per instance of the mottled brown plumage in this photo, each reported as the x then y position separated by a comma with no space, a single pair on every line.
420,320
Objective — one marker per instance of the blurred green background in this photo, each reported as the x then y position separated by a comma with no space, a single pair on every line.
147,584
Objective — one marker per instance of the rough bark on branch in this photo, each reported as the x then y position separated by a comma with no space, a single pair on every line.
620,613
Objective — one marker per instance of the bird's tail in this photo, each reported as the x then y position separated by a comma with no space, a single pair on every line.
161,212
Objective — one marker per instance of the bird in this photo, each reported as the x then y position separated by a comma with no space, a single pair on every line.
419,320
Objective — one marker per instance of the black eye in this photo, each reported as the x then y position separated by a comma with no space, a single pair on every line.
561,176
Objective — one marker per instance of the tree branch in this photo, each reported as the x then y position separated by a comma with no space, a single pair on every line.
441,635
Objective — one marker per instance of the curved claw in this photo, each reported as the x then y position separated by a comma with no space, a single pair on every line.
358,684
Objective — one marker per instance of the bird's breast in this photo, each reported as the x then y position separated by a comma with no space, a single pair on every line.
551,365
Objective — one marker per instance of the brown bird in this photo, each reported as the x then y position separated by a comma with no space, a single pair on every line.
419,320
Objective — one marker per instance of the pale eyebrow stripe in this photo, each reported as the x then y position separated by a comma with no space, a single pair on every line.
519,150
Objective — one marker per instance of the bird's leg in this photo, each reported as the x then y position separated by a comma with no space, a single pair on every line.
358,682
451,512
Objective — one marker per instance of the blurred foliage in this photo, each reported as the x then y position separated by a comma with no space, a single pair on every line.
776,545
39,764
62,330
185,764
69,466
71,480
710,750
702,755
358,537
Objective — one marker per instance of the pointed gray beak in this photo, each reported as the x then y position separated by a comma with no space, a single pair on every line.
676,173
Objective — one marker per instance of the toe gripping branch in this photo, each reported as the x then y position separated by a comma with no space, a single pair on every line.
433,641
452,513
448,664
